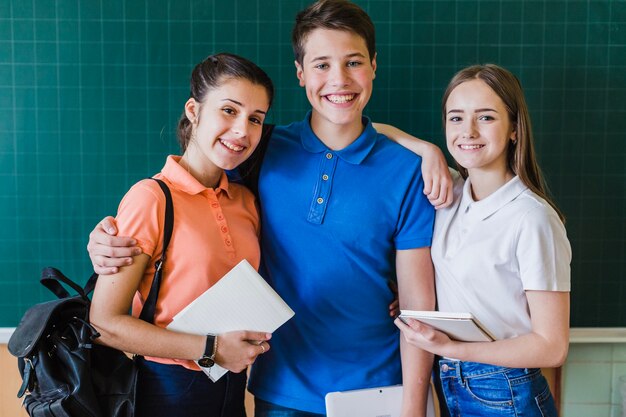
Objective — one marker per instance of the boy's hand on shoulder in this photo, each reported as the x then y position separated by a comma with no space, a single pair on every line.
107,251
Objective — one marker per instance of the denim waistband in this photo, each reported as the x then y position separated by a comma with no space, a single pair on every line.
461,369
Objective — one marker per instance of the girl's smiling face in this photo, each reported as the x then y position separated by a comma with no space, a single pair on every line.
227,124
478,128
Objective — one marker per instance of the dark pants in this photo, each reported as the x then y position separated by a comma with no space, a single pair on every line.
171,390
265,409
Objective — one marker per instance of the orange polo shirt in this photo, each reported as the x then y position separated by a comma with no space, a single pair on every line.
214,229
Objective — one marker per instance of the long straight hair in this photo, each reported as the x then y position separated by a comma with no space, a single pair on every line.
521,157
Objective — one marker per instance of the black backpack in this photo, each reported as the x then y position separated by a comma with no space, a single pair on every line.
64,373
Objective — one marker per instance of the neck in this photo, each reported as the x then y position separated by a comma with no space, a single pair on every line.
201,169
485,183
335,136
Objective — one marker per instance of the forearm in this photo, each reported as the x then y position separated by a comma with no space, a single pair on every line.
136,336
416,292
111,302
528,351
415,144
416,372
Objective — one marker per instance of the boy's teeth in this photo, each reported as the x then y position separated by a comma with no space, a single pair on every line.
468,147
232,146
338,99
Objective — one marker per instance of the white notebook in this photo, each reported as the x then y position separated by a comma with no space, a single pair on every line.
241,300
458,326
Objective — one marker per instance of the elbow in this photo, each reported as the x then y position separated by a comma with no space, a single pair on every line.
557,356
106,329
561,356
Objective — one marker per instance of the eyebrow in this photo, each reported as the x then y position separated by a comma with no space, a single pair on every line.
475,111
241,104
352,55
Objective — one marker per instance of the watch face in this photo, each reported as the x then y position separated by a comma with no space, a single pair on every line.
206,362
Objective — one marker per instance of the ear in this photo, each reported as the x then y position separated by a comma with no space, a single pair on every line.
191,110
514,135
299,73
374,64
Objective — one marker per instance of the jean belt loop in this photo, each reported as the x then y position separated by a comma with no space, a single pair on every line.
459,371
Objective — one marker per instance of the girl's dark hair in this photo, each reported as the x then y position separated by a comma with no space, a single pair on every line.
210,74
521,156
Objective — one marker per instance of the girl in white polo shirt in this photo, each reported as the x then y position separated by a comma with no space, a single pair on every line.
500,252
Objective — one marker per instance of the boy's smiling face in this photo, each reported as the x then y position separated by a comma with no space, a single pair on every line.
337,74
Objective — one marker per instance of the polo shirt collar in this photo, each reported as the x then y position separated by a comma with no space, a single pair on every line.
482,209
354,153
184,181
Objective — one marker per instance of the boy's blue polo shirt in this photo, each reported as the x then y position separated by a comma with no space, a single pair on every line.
331,224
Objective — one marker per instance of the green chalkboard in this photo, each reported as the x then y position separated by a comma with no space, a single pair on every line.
90,92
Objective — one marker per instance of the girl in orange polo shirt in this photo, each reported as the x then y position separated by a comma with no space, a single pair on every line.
216,226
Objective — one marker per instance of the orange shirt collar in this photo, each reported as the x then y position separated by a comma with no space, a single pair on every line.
186,182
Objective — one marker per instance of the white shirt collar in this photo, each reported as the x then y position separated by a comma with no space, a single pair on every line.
480,210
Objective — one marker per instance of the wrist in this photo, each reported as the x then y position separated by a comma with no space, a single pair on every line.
210,350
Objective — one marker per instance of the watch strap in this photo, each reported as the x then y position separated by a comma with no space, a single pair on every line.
210,349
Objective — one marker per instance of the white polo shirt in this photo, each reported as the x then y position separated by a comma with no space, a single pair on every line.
487,253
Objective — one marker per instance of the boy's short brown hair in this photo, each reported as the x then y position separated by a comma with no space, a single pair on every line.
336,15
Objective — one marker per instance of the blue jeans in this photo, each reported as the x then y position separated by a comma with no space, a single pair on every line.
265,409
171,390
476,389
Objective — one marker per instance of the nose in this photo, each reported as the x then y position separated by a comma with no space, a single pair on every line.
469,129
240,127
339,76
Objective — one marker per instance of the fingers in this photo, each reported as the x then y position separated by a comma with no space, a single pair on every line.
113,256
255,337
441,194
107,252
264,347
99,237
105,271
108,225
394,308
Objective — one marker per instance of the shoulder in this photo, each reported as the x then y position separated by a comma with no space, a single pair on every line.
145,193
534,209
391,153
240,192
288,130
538,220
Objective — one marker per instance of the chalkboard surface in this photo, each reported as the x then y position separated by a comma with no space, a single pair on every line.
90,92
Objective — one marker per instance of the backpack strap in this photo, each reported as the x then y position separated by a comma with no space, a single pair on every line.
51,278
149,307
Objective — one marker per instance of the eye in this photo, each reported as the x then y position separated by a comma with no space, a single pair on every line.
354,63
256,120
486,118
455,119
321,66
229,110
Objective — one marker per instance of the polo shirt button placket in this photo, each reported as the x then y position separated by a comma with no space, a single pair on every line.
223,226
318,206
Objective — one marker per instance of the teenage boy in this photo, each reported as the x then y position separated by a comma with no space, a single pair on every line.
343,213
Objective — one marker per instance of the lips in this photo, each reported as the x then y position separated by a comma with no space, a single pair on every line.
232,146
471,147
340,98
